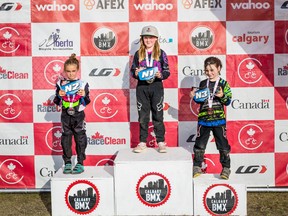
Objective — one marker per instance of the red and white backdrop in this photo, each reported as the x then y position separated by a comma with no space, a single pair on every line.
37,36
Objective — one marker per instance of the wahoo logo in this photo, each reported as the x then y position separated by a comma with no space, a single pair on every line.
153,6
72,87
8,6
201,95
55,7
148,73
250,5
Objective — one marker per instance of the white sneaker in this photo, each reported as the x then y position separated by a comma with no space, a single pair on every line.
140,147
162,147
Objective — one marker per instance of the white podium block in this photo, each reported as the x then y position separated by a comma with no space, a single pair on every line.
88,193
215,196
153,183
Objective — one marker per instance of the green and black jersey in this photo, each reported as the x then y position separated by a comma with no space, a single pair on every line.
217,118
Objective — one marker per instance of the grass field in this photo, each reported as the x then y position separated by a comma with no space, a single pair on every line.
34,204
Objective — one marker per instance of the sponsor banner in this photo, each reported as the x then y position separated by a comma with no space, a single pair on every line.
281,103
55,11
171,135
104,39
281,36
152,10
254,170
251,137
17,139
191,70
44,108
47,71
281,8
108,106
45,169
167,39
15,12
17,172
47,138
281,136
281,70
100,160
15,39
250,10
101,10
281,169
15,72
188,109
250,71
104,138
106,72
201,38
213,10
250,37
16,106
247,105
55,39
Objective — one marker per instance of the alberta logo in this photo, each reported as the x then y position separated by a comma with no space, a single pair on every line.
153,189
220,199
82,197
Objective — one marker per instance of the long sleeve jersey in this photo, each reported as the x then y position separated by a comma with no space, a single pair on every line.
218,118
162,65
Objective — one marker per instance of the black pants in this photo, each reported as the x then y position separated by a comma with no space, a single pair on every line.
222,144
150,98
74,125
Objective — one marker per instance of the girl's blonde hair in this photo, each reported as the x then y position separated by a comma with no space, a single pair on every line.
142,50
72,60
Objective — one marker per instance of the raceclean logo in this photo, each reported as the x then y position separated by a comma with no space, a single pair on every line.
153,6
250,5
98,139
55,7
7,74
283,71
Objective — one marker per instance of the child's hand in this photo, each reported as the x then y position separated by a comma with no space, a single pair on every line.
158,75
81,92
192,92
219,93
137,70
62,93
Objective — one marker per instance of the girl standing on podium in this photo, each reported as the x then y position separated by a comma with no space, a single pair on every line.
150,93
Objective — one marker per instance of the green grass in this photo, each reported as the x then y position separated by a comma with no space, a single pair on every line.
34,204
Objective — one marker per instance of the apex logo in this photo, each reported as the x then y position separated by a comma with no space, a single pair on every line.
251,169
9,6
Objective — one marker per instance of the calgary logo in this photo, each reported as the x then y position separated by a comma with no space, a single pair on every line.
98,139
202,38
48,106
249,136
7,74
251,37
153,6
105,105
220,199
10,104
249,70
104,39
55,7
9,38
10,6
153,189
82,197
53,139
53,71
53,42
9,171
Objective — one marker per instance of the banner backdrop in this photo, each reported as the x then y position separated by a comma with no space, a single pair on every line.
37,36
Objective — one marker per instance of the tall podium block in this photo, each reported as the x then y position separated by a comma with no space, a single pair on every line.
215,196
153,183
89,193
